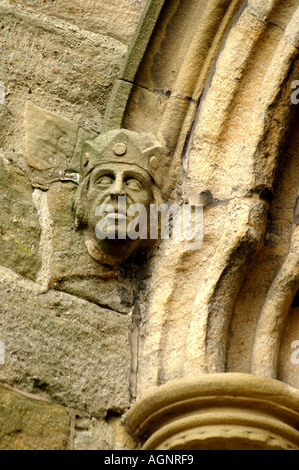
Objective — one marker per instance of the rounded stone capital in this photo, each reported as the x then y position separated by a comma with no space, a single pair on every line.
229,411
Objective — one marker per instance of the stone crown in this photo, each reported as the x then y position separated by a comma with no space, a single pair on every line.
122,146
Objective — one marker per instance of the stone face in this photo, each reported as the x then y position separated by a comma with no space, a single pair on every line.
19,222
213,80
54,147
119,172
72,269
29,424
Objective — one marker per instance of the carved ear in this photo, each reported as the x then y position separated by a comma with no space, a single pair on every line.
154,162
85,159
155,159
155,151
85,162
157,195
79,205
88,161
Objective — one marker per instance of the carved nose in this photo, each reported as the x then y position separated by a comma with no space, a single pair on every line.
117,189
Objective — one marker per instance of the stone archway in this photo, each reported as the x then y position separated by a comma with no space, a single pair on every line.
227,150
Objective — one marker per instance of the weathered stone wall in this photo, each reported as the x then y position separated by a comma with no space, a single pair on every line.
67,353
84,339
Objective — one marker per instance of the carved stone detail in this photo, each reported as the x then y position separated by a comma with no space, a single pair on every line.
118,164
217,412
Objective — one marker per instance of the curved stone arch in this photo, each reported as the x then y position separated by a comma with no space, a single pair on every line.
271,324
207,340
176,103
242,236
188,36
284,288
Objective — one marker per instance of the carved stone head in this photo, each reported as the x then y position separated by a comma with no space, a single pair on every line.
118,170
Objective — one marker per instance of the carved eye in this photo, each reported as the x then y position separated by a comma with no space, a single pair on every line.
104,181
132,183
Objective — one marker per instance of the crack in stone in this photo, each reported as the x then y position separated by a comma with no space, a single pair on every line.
168,93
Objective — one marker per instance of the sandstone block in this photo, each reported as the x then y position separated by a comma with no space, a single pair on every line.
28,424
